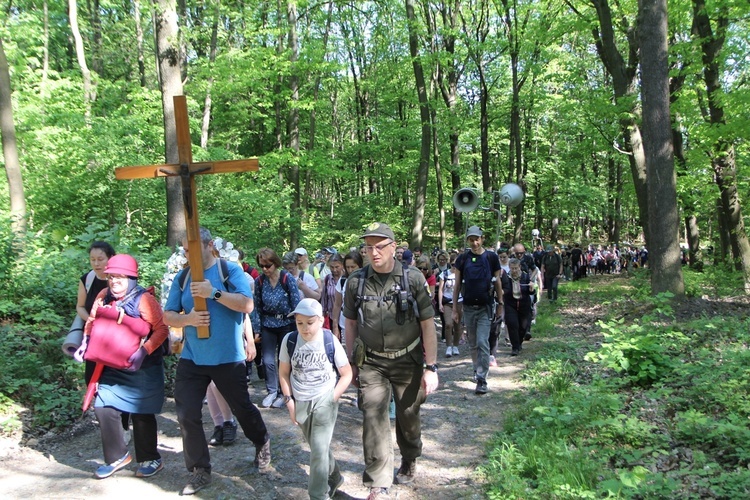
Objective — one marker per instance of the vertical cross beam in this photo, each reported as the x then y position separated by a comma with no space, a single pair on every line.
187,170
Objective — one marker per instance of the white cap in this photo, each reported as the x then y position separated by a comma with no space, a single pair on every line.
301,251
308,307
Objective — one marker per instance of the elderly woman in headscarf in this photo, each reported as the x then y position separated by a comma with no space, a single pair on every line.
517,290
126,336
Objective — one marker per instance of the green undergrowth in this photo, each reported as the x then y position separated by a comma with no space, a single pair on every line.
37,305
655,405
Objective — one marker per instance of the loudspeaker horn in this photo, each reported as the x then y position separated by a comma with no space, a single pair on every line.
465,200
510,195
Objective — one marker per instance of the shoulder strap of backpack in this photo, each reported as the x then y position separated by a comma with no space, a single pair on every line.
291,344
330,348
89,280
224,272
409,295
182,277
361,286
259,289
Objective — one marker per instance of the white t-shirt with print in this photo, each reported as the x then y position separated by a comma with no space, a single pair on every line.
312,374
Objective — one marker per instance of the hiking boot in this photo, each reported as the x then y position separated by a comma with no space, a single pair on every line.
515,352
230,432
268,400
199,480
263,456
148,469
217,438
527,336
481,386
377,493
334,483
405,474
108,469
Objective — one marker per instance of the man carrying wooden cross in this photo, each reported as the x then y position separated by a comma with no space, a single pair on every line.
212,324
219,358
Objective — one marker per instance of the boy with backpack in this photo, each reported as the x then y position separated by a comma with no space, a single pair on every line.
309,361
474,272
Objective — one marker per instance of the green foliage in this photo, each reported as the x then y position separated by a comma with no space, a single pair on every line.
37,304
672,425
641,350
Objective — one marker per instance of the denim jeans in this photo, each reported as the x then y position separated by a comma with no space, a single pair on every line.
478,320
270,344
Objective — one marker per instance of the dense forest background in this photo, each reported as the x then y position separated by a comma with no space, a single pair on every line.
373,110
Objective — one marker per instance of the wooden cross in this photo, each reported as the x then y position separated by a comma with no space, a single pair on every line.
187,170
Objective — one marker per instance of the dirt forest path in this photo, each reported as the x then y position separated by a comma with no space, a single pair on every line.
456,426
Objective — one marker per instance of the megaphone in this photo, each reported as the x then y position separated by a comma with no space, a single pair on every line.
510,195
465,200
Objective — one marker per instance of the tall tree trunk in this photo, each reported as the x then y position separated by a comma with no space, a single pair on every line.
722,157
664,222
45,51
277,102
139,42
10,150
182,43
88,88
97,50
293,125
420,198
209,84
438,176
693,240
170,80
624,85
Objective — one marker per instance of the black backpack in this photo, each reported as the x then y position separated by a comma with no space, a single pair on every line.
476,279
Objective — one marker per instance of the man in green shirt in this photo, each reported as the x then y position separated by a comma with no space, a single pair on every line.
396,327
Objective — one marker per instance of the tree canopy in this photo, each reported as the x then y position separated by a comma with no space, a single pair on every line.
542,93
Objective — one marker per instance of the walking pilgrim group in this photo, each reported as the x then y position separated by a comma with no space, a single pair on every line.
366,319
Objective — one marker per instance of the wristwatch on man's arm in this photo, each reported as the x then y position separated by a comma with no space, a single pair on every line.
433,367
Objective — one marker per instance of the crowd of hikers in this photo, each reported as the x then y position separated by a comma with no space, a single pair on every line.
310,325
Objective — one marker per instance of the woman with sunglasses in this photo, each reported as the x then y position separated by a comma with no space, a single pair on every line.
276,295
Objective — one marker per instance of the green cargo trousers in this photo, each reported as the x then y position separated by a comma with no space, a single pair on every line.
378,379
317,419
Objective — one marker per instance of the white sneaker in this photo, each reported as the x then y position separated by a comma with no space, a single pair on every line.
449,352
268,400
455,350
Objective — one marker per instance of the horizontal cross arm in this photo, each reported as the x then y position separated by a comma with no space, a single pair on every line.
208,167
